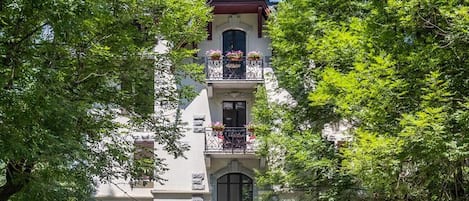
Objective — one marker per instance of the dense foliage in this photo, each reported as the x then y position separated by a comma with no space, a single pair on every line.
398,72
67,70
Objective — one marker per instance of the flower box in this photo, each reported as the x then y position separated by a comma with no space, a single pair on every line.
214,54
235,55
250,127
254,56
217,126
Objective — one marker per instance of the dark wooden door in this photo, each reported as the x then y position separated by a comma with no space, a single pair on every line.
234,40
234,113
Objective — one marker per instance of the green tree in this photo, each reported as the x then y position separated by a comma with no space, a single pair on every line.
397,71
68,69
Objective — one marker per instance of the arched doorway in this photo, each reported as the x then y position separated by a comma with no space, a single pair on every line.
234,187
234,40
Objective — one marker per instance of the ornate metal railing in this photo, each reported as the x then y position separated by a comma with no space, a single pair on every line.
228,69
230,140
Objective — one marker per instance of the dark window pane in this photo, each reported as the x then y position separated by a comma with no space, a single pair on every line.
222,192
234,178
235,192
240,105
234,40
144,159
227,105
246,179
246,192
234,113
223,179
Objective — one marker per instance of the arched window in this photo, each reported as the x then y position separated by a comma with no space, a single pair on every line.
234,187
234,40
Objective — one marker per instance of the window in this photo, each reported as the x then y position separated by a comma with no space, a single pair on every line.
234,40
137,81
234,113
144,159
234,187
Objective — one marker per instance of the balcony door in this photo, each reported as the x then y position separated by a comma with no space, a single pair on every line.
234,40
234,113
234,118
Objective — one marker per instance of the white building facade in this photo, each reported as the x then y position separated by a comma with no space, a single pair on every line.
220,164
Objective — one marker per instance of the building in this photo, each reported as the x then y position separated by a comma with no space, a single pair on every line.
220,163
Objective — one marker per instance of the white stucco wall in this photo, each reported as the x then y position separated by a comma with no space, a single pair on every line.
220,95
120,190
244,22
180,174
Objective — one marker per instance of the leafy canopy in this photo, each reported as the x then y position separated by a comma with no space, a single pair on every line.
397,72
67,70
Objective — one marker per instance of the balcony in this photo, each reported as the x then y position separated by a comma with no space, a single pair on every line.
225,73
231,141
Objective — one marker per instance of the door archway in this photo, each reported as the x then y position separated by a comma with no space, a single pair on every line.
234,40
234,187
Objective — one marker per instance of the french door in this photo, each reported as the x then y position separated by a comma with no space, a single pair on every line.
234,118
234,40
234,187
234,113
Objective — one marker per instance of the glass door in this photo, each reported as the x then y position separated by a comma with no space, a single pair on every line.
234,118
234,40
234,187
234,113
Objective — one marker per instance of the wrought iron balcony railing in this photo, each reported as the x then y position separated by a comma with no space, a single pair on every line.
229,69
230,140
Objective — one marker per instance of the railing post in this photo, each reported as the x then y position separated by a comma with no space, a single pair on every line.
205,140
263,66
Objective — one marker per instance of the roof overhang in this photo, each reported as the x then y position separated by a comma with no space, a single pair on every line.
240,6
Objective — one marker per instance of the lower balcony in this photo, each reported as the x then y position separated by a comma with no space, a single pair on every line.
232,140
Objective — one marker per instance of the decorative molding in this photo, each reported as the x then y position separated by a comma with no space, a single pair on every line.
235,94
197,197
208,162
197,181
234,22
198,123
142,137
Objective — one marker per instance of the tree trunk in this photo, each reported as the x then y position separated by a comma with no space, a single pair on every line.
17,176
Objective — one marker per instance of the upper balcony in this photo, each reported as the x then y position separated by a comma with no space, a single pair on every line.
241,73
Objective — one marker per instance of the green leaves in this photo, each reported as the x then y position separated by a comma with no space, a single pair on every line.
67,70
397,71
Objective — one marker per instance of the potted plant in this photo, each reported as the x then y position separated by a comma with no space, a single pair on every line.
254,55
214,54
234,55
250,127
218,126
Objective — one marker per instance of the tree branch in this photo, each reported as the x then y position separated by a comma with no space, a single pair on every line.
89,76
18,174
432,25
31,33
